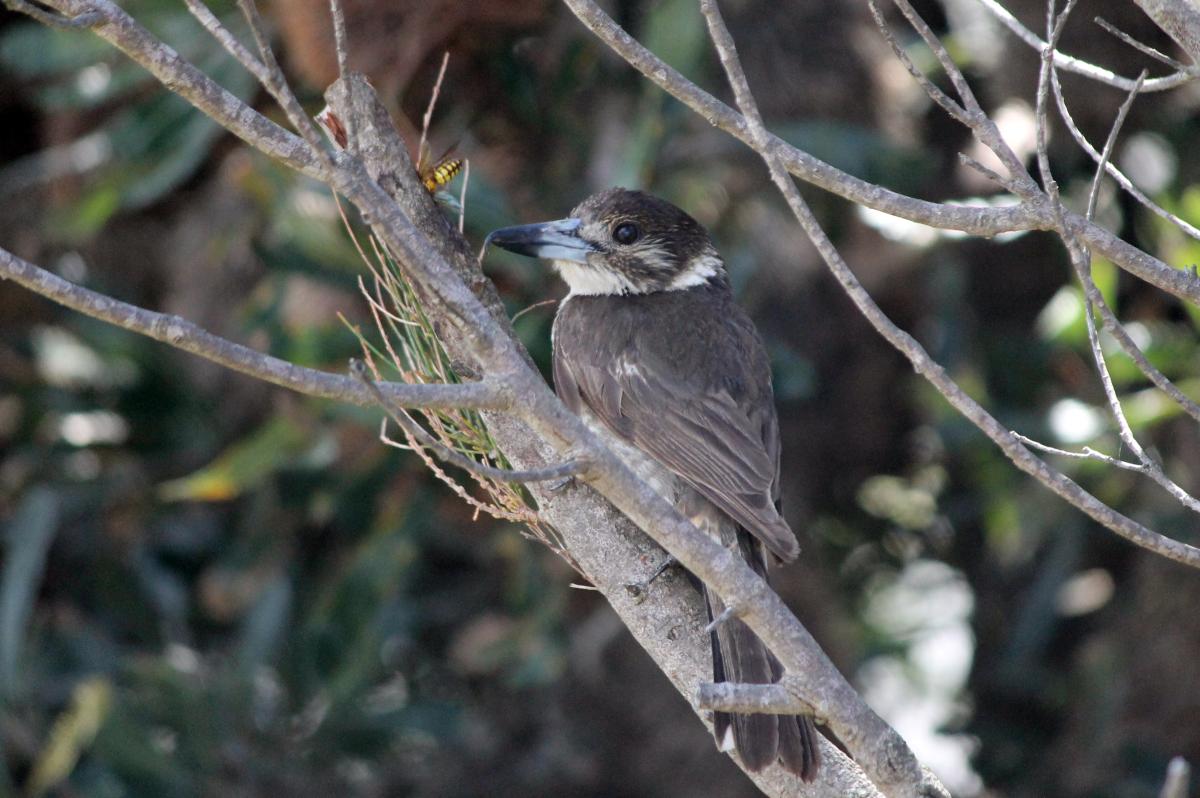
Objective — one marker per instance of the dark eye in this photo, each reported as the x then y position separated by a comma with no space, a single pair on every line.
626,233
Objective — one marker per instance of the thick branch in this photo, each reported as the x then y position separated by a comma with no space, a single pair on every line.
661,633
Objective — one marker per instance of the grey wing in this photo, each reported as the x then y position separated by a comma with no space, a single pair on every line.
728,452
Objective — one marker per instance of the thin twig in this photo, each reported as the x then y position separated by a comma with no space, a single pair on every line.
997,178
276,83
715,623
1110,143
462,195
206,18
534,306
1077,65
1086,453
1146,49
341,41
1081,258
433,98
954,109
766,699
1112,170
979,123
574,467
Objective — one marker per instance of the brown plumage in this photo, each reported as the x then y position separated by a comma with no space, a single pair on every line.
651,350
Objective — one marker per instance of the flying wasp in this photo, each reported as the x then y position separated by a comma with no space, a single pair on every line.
436,174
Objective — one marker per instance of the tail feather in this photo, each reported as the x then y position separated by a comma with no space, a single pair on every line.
739,656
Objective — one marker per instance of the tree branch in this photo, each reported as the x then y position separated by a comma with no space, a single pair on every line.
968,219
1081,258
771,699
377,176
571,468
666,621
183,334
1079,66
925,365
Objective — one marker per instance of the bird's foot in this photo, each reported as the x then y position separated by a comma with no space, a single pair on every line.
638,590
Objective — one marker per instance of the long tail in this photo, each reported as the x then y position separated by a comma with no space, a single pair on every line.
739,656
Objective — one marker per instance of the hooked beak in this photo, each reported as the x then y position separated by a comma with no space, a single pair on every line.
551,240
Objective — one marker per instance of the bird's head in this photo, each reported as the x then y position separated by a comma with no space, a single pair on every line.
621,242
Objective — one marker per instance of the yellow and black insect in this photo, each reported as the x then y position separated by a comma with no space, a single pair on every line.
436,173
441,173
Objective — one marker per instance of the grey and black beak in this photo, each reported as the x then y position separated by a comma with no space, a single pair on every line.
551,240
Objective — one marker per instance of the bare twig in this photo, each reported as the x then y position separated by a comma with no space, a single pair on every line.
1086,453
1112,170
1146,49
997,178
1079,66
571,468
205,17
1110,143
1081,258
1109,319
955,110
1181,21
433,98
980,124
532,307
341,41
183,334
726,614
276,83
769,699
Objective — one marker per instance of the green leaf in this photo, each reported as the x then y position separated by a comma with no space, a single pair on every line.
246,464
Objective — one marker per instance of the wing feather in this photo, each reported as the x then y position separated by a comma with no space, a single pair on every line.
723,450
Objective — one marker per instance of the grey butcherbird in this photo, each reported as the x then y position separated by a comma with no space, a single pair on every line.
652,351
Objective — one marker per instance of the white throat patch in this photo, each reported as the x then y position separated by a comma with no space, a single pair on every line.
586,281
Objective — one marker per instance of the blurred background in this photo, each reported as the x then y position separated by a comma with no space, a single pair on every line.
210,586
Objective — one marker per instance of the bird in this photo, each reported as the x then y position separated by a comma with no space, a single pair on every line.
652,351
